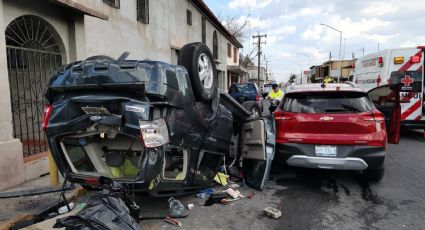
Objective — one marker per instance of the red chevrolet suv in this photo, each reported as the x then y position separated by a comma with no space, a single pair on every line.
332,126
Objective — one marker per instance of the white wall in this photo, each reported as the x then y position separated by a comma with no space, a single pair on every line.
167,29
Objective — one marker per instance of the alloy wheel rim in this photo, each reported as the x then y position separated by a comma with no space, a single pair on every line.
205,71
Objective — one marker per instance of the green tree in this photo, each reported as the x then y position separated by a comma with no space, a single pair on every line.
292,78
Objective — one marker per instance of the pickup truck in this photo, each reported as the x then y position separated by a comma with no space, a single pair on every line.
152,126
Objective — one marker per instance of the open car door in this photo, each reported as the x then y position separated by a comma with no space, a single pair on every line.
387,99
258,147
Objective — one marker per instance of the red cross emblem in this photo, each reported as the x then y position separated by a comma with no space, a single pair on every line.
407,80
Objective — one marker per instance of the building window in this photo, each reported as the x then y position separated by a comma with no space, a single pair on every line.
114,3
215,45
143,11
189,17
204,30
235,53
229,50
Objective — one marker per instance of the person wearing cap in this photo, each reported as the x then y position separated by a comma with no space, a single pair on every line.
275,93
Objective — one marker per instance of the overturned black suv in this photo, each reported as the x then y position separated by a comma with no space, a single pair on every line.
152,126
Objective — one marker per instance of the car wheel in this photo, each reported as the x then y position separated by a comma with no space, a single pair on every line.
253,107
199,62
374,175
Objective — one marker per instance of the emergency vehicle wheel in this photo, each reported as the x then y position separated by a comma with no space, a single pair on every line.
199,62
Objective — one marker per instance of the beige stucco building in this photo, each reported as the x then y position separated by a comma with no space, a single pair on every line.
41,35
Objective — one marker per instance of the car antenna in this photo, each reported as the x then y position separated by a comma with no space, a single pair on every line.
123,57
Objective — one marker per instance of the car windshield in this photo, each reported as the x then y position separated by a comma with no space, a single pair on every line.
246,88
329,102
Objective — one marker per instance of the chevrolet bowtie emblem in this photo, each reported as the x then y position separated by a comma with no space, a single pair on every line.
326,118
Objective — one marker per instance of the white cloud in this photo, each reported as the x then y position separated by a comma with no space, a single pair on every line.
255,23
378,8
234,4
420,40
284,30
313,32
306,11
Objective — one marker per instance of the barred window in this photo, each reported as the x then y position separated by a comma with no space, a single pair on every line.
143,11
189,17
215,45
114,3
204,30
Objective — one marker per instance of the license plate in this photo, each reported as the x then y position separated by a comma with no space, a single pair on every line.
325,151
96,110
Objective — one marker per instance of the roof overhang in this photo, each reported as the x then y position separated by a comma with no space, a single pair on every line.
237,69
80,8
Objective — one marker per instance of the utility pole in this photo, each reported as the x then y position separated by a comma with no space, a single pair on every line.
259,43
267,72
378,46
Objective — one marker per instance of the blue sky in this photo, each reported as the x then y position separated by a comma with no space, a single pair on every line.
294,32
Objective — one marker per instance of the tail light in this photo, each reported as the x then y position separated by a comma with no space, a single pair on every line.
280,115
47,112
154,133
257,98
379,119
375,116
91,181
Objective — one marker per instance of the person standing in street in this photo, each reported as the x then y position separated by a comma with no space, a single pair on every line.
275,95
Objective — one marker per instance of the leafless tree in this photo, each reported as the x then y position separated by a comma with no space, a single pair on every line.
236,26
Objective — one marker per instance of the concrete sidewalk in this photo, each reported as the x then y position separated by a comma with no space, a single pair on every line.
12,207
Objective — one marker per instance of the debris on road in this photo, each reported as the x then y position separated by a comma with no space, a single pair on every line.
190,206
272,212
176,208
204,193
173,221
64,209
112,201
215,199
234,193
250,195
221,178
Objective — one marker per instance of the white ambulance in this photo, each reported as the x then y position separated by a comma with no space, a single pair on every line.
372,73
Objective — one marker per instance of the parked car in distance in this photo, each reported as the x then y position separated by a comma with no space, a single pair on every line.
266,90
247,92
332,126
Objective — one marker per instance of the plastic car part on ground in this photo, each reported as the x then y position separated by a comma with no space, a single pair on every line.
109,209
272,212
204,193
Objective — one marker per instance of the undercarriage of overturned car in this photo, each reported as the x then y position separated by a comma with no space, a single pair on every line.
152,126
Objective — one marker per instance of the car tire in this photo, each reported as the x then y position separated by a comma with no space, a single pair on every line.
199,62
253,107
374,175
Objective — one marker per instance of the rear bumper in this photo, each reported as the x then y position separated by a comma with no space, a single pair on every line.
348,163
358,157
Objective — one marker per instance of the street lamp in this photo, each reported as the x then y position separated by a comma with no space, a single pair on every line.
340,41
